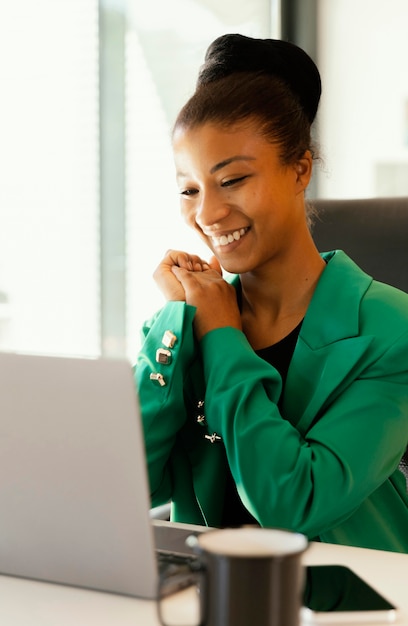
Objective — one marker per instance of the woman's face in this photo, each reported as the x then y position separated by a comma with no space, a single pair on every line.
236,193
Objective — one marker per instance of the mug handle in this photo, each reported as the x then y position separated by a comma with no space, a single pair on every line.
199,570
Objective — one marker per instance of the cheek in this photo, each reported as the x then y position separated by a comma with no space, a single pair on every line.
188,213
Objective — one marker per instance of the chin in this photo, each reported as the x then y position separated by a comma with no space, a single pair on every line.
234,268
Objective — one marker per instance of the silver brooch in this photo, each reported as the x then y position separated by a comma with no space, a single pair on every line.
213,438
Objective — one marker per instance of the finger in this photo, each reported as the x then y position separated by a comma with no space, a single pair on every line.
180,258
201,266
215,265
187,277
185,260
179,272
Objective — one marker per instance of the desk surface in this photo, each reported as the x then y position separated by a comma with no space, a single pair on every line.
30,603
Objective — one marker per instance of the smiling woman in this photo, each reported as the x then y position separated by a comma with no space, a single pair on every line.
280,382
236,203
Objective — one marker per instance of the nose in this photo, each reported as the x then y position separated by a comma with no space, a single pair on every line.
210,209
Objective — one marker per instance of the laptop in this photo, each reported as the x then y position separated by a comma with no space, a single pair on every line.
74,496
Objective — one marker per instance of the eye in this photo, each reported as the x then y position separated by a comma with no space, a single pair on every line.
188,192
233,181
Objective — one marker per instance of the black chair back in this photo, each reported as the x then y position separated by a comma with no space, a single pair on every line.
373,232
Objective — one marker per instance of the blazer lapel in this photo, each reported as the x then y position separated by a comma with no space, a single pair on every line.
329,347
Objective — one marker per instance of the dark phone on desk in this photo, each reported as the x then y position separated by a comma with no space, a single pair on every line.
335,594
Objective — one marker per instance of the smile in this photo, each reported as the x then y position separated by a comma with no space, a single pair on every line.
225,240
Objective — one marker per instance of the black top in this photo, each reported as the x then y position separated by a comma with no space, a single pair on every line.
279,355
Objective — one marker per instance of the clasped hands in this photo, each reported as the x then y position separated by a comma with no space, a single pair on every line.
186,277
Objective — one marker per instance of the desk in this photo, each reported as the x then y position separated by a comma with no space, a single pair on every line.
31,603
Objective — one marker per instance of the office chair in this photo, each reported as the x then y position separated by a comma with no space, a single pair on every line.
374,233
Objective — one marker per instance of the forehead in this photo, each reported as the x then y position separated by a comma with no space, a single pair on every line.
210,143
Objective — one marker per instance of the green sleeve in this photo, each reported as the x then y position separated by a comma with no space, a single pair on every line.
162,404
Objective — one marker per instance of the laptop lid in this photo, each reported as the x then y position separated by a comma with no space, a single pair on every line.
73,483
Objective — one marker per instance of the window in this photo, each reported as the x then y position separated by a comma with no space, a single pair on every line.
49,206
87,212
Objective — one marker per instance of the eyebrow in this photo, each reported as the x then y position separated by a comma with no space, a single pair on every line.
222,164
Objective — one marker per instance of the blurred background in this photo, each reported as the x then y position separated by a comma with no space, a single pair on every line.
89,91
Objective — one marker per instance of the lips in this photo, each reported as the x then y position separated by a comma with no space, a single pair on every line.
228,238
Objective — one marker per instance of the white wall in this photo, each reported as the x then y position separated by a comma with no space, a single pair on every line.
363,119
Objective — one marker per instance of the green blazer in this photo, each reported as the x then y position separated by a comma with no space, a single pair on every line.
325,463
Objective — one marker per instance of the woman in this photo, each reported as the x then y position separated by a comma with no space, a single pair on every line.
278,396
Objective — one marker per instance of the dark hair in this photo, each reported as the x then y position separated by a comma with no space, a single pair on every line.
233,53
268,83
256,99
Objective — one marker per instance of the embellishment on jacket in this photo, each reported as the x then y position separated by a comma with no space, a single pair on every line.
169,339
163,356
200,417
159,378
213,438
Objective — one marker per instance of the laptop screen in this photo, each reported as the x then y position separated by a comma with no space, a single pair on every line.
73,493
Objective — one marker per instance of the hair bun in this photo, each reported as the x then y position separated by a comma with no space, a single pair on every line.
237,53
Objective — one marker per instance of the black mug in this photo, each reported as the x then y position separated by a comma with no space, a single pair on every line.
250,576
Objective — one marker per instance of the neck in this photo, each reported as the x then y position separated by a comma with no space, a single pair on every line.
275,298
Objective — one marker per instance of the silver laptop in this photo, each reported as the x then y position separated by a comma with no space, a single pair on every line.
74,496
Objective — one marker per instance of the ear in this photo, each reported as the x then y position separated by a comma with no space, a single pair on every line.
303,169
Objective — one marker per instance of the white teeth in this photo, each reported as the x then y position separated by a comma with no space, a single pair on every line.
224,240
